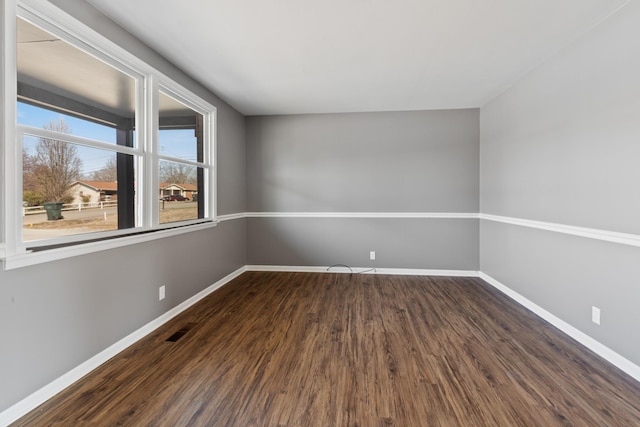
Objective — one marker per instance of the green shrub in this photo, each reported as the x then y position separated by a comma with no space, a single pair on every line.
33,198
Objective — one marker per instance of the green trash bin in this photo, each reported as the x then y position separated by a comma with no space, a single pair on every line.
54,210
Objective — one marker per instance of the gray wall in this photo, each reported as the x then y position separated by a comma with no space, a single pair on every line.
562,146
416,161
59,314
447,244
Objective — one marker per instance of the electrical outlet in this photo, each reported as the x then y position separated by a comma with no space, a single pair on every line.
372,255
595,315
161,293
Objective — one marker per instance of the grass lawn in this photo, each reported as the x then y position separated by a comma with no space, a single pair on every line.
94,220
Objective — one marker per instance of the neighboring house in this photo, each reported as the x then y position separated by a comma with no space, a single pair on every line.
95,191
172,189
98,191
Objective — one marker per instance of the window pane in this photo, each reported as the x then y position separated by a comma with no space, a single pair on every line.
39,117
179,192
180,133
95,99
82,179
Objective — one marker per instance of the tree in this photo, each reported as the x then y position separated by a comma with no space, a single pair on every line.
176,173
108,173
31,192
57,164
29,180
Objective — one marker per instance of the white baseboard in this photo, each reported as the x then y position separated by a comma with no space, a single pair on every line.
600,349
420,272
45,393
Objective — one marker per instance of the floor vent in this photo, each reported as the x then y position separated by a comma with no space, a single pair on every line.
180,332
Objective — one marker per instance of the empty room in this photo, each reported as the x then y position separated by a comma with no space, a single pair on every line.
338,213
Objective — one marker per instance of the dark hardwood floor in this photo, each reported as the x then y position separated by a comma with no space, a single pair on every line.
294,349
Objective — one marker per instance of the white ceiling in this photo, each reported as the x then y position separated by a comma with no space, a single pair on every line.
303,56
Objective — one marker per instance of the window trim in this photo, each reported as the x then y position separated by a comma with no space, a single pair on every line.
168,87
8,90
39,257
149,81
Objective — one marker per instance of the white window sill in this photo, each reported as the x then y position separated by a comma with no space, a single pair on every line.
39,257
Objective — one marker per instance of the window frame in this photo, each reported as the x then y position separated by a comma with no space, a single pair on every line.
149,82
170,88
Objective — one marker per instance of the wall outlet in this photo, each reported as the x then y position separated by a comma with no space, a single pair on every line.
595,315
161,293
372,255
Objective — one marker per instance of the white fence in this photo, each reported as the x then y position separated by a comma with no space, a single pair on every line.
33,210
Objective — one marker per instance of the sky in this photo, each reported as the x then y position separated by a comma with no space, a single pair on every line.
177,143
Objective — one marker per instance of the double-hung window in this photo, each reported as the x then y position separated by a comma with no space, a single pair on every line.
105,146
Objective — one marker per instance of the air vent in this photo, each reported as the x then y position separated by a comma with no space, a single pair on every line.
180,332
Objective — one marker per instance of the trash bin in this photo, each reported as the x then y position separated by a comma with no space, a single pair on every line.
54,210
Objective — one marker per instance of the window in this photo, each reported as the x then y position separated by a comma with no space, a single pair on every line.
182,169
76,129
105,145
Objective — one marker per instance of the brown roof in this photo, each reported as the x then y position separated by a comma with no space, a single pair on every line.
100,185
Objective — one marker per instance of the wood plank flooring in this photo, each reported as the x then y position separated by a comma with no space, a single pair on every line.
300,349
